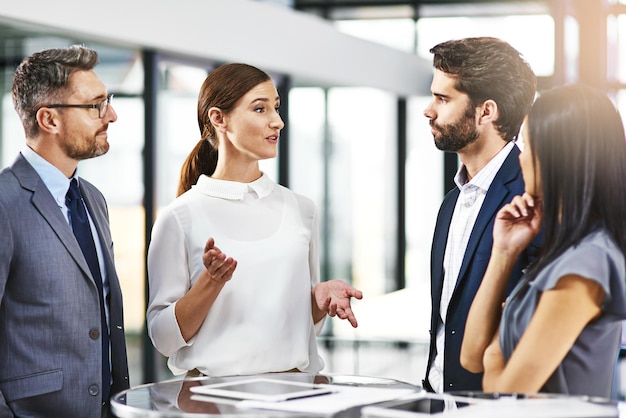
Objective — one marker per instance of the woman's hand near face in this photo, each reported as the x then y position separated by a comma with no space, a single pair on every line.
517,223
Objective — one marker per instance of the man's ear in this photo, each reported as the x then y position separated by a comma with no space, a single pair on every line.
217,118
489,112
47,119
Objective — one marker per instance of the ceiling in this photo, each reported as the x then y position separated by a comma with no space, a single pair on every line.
12,34
297,46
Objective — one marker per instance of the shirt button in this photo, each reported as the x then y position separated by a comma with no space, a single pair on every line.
94,334
94,390
453,332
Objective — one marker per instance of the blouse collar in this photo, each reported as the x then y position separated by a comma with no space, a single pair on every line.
234,190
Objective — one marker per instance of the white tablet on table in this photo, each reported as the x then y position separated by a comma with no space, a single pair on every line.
263,389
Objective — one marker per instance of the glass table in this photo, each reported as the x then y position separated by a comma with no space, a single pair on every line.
174,398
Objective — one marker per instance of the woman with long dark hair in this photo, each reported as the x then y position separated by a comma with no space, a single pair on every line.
560,329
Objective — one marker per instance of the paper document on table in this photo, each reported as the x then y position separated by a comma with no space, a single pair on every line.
344,397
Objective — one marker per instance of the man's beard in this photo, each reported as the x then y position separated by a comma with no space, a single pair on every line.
456,136
85,151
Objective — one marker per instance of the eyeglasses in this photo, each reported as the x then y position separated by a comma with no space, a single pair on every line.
102,107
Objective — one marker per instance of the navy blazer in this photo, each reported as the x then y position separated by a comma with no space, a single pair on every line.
507,183
50,350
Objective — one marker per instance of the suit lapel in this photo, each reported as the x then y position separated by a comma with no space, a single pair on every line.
440,242
100,219
497,195
44,202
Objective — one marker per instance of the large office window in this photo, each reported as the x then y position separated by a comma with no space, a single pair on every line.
177,123
343,156
343,148
537,45
396,33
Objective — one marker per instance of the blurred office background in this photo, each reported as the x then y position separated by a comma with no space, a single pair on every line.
354,77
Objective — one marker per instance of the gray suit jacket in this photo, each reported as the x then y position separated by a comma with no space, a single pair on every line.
50,351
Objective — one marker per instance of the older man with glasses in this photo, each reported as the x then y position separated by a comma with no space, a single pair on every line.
62,347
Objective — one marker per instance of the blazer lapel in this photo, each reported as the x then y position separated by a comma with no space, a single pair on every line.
44,202
439,244
497,195
100,219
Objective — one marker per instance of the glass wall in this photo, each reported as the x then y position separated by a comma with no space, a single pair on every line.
536,45
343,155
362,210
177,123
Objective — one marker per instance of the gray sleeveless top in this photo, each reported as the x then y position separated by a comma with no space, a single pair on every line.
588,367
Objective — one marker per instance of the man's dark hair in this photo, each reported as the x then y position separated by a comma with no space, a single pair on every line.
490,69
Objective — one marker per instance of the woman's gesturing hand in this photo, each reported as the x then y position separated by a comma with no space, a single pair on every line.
219,267
333,298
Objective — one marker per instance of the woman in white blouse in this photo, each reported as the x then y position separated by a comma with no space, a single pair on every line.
255,303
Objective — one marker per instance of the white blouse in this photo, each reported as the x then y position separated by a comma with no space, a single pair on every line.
261,321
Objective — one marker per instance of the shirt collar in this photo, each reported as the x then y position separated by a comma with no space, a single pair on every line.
486,175
52,177
234,190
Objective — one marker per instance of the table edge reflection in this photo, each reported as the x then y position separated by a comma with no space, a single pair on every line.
141,401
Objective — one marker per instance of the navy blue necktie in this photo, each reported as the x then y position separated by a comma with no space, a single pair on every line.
82,232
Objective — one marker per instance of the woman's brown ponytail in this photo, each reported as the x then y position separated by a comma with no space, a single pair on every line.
201,160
